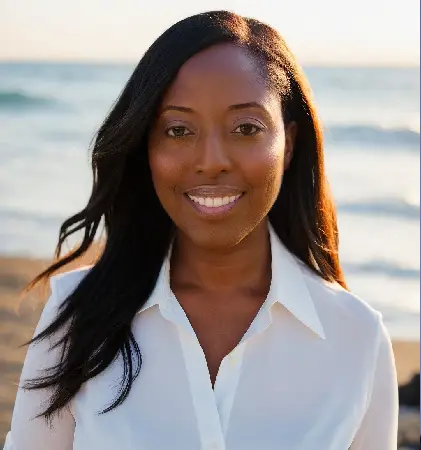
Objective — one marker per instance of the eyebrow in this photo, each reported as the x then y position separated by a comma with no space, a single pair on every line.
177,108
236,107
246,106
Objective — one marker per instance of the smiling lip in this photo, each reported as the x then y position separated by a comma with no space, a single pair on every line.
213,200
219,205
212,190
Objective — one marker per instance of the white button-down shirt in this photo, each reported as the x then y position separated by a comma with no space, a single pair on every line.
315,371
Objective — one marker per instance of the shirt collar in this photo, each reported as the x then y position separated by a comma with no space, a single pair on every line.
287,288
162,294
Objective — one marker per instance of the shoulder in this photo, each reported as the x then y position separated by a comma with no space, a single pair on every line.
63,284
344,315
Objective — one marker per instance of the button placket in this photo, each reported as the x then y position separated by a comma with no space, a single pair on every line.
226,384
197,371
204,400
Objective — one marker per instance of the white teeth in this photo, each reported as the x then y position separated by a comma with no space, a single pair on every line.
214,202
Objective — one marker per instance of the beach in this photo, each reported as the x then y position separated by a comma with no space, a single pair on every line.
19,315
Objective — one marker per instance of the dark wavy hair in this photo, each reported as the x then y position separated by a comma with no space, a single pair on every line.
97,316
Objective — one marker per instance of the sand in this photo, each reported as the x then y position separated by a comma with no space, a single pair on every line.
18,318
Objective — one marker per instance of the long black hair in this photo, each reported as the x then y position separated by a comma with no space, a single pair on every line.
97,316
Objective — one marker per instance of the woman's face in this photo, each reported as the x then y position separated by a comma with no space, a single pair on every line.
219,147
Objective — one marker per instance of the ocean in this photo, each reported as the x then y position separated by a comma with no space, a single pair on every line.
50,112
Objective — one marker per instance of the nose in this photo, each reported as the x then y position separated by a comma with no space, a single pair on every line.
212,157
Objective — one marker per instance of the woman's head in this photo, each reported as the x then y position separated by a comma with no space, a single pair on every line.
217,107
209,63
218,145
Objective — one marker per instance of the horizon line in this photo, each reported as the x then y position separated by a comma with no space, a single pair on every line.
121,62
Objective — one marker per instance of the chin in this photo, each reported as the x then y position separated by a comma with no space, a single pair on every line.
215,239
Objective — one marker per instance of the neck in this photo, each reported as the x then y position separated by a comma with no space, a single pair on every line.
244,267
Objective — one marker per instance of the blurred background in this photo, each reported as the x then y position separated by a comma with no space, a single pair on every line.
62,64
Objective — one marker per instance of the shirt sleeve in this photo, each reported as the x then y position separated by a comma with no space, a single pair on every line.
27,433
379,428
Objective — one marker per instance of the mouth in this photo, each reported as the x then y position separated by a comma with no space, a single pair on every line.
213,206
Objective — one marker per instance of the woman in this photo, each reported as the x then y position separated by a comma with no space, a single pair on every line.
217,316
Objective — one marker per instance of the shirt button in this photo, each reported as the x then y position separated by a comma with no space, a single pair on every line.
213,447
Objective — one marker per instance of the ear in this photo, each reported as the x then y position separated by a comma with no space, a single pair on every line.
290,135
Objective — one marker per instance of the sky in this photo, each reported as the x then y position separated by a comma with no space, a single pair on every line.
320,32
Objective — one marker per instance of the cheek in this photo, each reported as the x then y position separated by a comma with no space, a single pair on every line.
165,170
266,168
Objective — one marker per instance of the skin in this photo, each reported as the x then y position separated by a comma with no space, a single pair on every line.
220,267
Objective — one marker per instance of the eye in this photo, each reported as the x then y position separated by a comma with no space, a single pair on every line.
247,129
178,131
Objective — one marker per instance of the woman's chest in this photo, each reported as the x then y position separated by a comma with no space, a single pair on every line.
219,329
262,416
279,395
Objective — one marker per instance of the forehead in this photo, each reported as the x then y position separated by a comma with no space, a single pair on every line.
224,73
